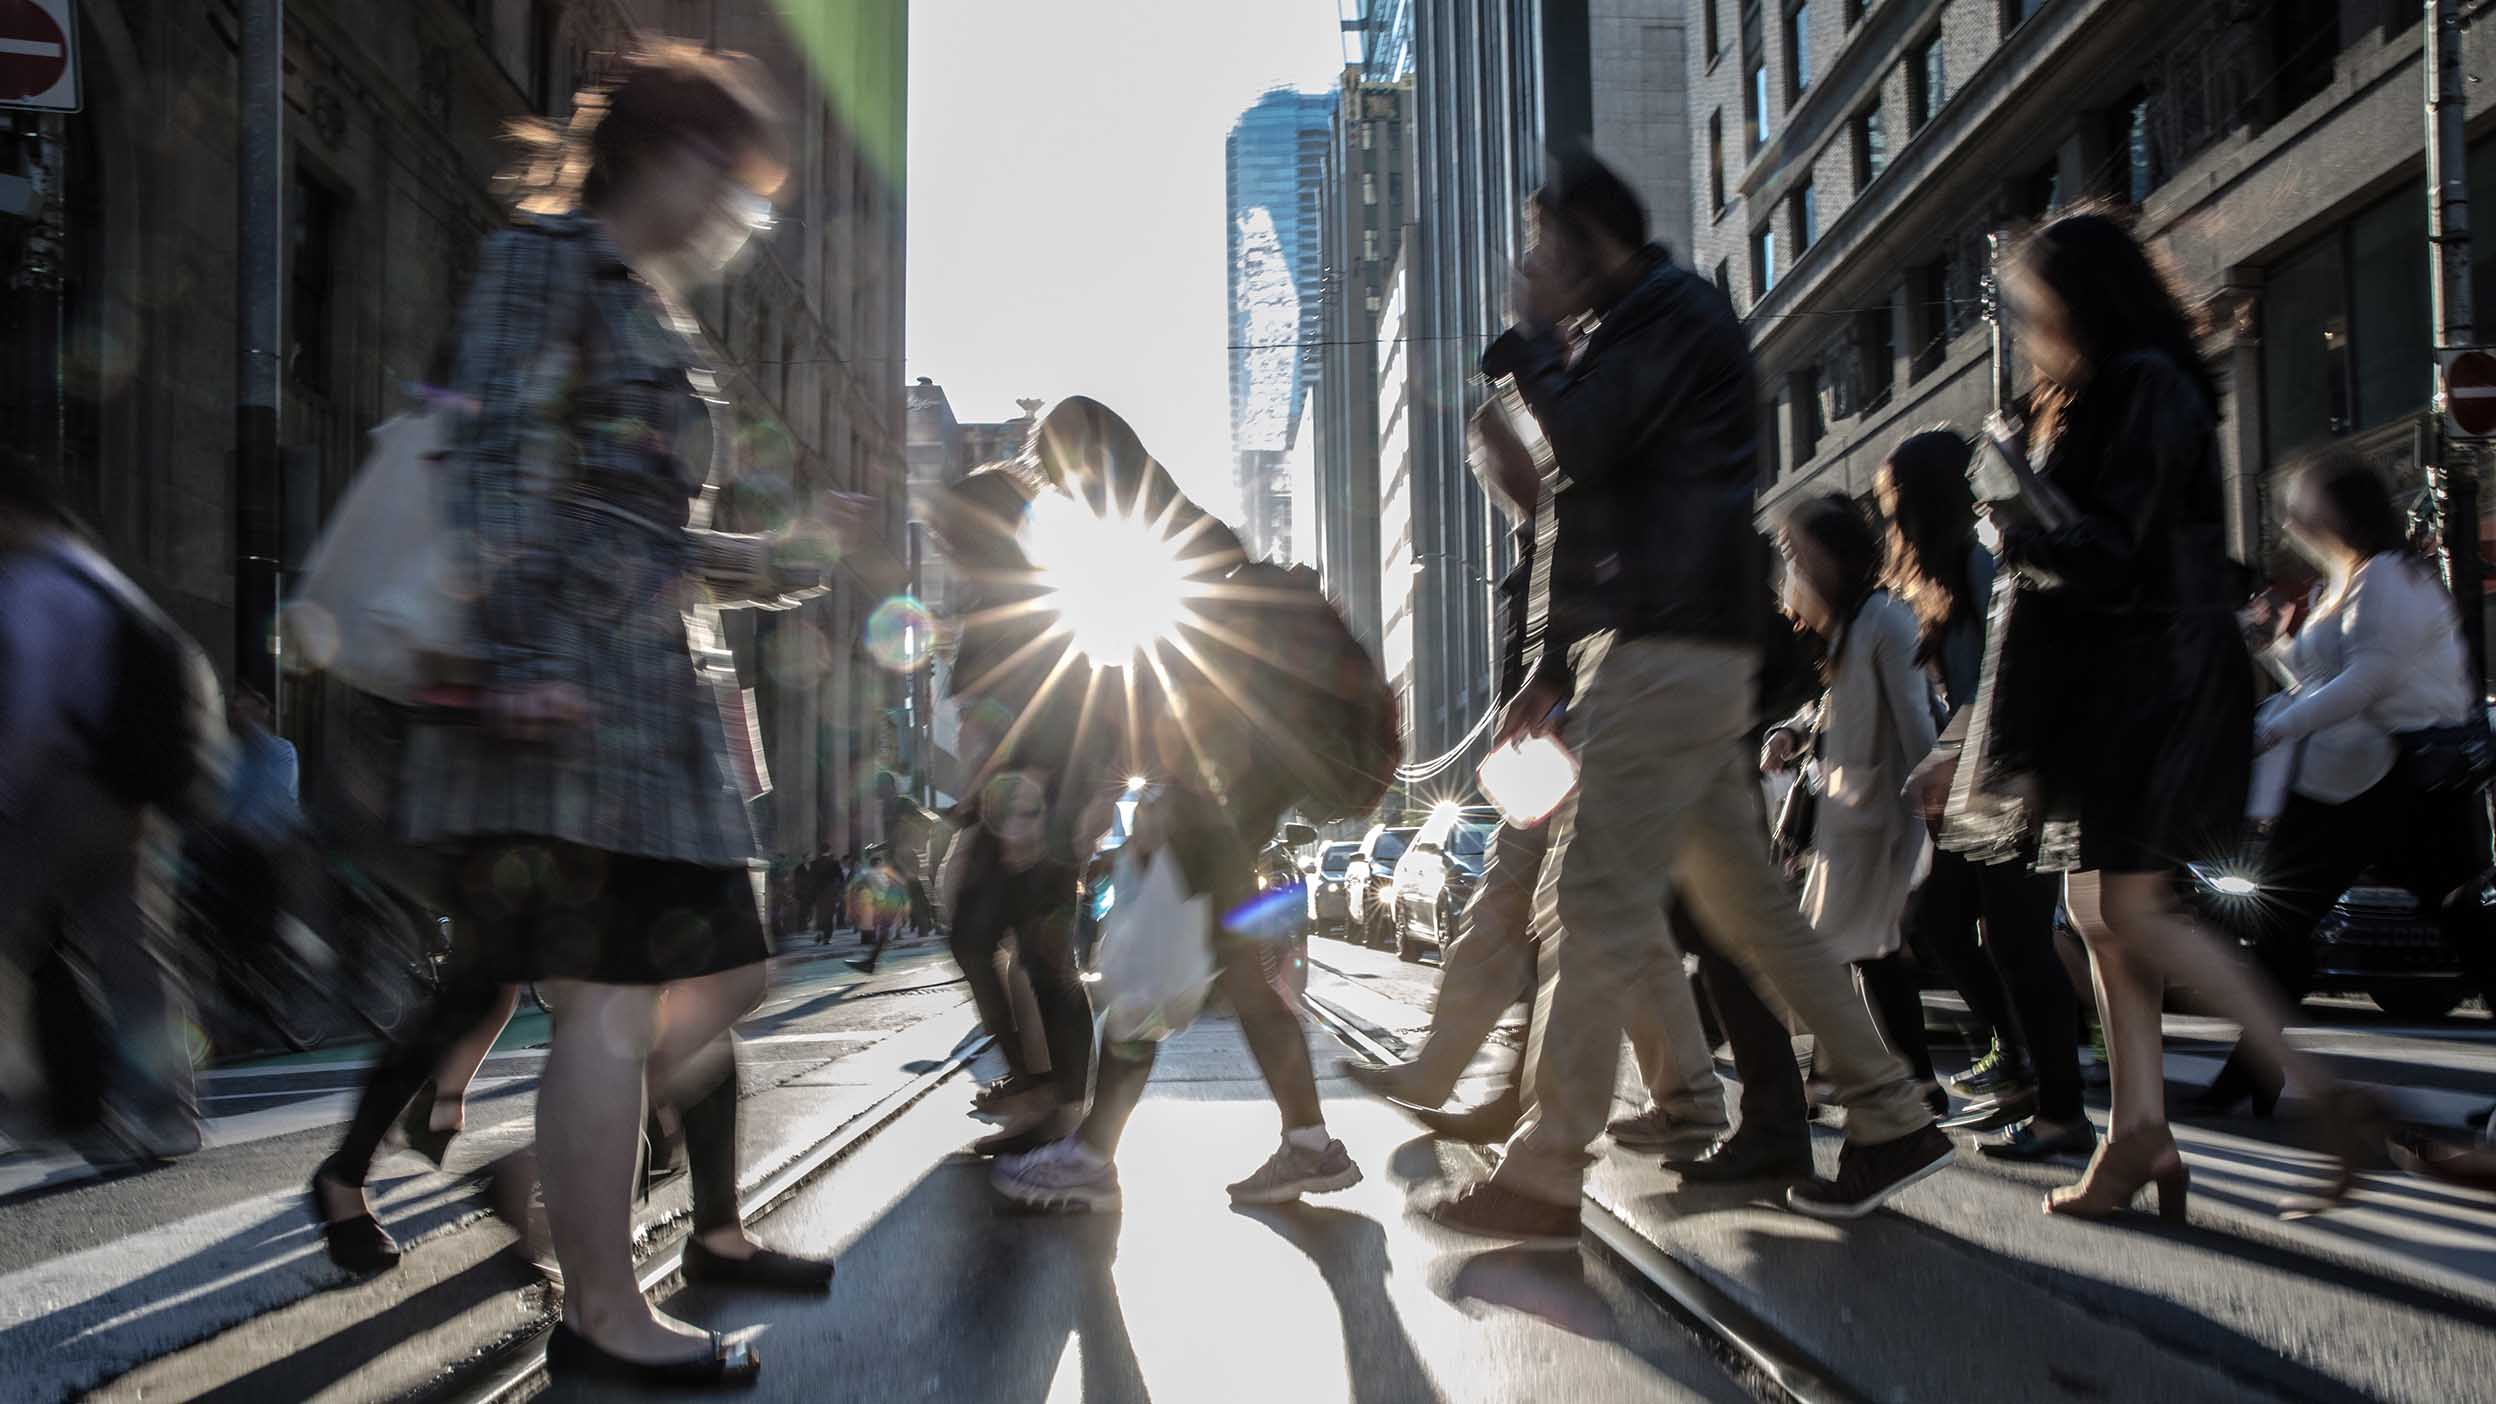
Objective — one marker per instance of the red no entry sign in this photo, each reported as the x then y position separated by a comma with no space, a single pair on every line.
39,55
2469,393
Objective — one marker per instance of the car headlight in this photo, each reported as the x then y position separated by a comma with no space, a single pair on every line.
2223,882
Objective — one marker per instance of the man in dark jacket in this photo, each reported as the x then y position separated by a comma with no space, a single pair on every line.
1643,625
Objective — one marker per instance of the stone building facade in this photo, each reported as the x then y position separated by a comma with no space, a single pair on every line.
1850,158
119,357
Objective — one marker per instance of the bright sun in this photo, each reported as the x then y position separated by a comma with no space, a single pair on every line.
1116,583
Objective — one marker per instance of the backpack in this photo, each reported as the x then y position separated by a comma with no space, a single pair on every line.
1333,726
161,741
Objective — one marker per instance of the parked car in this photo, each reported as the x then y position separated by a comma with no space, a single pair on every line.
2378,940
1436,876
1369,884
1328,906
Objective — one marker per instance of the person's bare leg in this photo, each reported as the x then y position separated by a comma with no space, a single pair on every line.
2128,1010
461,1060
589,1111
693,1054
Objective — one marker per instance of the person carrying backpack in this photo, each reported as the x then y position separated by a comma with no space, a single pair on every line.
110,740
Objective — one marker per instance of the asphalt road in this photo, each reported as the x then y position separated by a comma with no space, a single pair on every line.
205,1281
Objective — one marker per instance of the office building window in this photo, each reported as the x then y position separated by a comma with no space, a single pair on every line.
1369,245
1716,158
1928,297
1763,260
1871,145
1797,51
1369,135
2305,44
1876,349
2140,165
1724,277
1803,212
2016,12
1854,13
1928,86
1755,78
2041,194
1715,31
1803,390
1369,188
1373,301
313,281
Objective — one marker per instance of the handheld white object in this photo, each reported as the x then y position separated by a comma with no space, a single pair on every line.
1528,779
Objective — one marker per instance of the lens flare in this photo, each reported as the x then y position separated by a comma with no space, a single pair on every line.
1115,582
900,634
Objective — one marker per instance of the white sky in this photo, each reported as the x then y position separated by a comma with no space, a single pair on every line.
1066,203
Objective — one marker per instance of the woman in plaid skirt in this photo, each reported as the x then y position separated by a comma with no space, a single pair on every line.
588,809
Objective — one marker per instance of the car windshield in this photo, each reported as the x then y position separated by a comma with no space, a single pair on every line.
1469,842
1391,844
1336,859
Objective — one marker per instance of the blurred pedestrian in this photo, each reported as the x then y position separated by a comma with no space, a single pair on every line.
2381,674
2013,982
1650,642
598,854
110,741
2116,722
1870,727
1490,963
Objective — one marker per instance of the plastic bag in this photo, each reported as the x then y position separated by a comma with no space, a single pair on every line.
1156,958
1528,779
374,608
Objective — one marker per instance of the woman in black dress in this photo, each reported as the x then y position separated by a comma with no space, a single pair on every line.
2116,713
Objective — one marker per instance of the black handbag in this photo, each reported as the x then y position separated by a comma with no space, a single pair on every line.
2459,758
2441,760
1798,814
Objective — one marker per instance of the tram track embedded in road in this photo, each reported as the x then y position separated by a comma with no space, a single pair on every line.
519,1371
1785,1367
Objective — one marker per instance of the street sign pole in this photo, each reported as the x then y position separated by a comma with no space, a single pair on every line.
261,206
2455,470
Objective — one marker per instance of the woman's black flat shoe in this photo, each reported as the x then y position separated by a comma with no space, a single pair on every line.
781,1272
357,1243
416,1128
573,1356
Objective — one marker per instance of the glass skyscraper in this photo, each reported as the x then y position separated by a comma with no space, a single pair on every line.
1276,159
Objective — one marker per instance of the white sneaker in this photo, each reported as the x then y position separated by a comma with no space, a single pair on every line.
1062,1177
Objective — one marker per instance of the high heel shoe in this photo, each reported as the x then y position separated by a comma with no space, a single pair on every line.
2118,1172
571,1355
358,1242
416,1128
2355,1124
2237,1084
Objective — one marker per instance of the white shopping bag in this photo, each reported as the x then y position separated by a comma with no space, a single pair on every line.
1156,960
377,606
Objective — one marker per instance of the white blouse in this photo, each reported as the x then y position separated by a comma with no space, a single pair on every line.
2385,657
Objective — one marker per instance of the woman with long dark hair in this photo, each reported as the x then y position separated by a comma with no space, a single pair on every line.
2115,726
1871,725
2013,981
